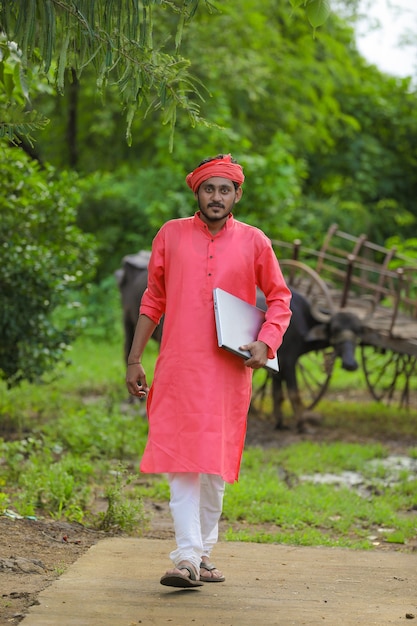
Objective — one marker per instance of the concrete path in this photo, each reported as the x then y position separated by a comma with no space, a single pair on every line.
116,583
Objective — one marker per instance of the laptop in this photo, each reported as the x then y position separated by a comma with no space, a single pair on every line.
238,323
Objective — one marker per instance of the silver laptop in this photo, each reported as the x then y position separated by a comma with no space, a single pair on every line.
238,323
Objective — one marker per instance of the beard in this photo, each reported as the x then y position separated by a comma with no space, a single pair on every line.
214,218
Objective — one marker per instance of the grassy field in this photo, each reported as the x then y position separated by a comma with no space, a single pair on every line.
76,439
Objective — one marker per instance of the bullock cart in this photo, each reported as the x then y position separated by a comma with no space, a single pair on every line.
377,284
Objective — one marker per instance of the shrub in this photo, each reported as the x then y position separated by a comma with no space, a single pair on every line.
43,255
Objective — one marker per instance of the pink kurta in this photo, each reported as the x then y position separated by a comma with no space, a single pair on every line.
199,399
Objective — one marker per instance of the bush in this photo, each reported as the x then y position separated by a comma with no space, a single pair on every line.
125,209
43,255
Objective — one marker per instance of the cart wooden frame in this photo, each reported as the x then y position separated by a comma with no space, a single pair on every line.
380,286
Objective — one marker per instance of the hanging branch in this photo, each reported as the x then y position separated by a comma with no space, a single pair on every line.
116,38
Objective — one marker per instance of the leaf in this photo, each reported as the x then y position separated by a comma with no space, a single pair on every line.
50,34
29,26
8,83
179,33
317,12
129,120
62,62
17,123
23,83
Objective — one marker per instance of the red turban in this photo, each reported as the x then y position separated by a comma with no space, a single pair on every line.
224,168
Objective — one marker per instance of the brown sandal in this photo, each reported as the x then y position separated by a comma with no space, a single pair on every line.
210,579
180,580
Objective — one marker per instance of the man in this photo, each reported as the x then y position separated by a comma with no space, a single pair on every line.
199,399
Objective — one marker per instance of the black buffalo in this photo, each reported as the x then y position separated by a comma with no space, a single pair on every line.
132,280
310,331
307,332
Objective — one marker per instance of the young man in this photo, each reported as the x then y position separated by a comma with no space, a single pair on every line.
199,399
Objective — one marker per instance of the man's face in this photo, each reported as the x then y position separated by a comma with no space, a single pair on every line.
216,198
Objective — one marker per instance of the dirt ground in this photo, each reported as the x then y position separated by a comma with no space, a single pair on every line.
33,553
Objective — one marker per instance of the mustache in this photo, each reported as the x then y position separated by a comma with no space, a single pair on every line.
216,204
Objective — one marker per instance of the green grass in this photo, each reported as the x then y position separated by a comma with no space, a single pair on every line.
272,491
64,441
76,438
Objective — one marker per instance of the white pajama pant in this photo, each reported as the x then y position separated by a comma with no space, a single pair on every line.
196,505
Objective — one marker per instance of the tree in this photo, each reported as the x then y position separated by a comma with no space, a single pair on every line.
116,38
325,136
43,258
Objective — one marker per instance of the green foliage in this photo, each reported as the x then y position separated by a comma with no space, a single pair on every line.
349,127
99,431
372,166
114,37
124,209
98,310
54,471
79,433
323,136
44,482
57,488
42,256
16,121
274,189
121,513
4,500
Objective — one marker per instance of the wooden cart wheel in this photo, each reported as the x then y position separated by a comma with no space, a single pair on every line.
314,369
306,281
388,374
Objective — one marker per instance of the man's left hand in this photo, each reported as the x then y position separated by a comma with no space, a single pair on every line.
259,354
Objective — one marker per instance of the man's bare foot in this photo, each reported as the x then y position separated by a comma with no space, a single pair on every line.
209,572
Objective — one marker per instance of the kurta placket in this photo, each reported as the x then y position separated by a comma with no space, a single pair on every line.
199,399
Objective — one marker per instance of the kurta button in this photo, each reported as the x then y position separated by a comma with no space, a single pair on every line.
209,274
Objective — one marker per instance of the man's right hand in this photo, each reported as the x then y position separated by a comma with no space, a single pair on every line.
136,380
